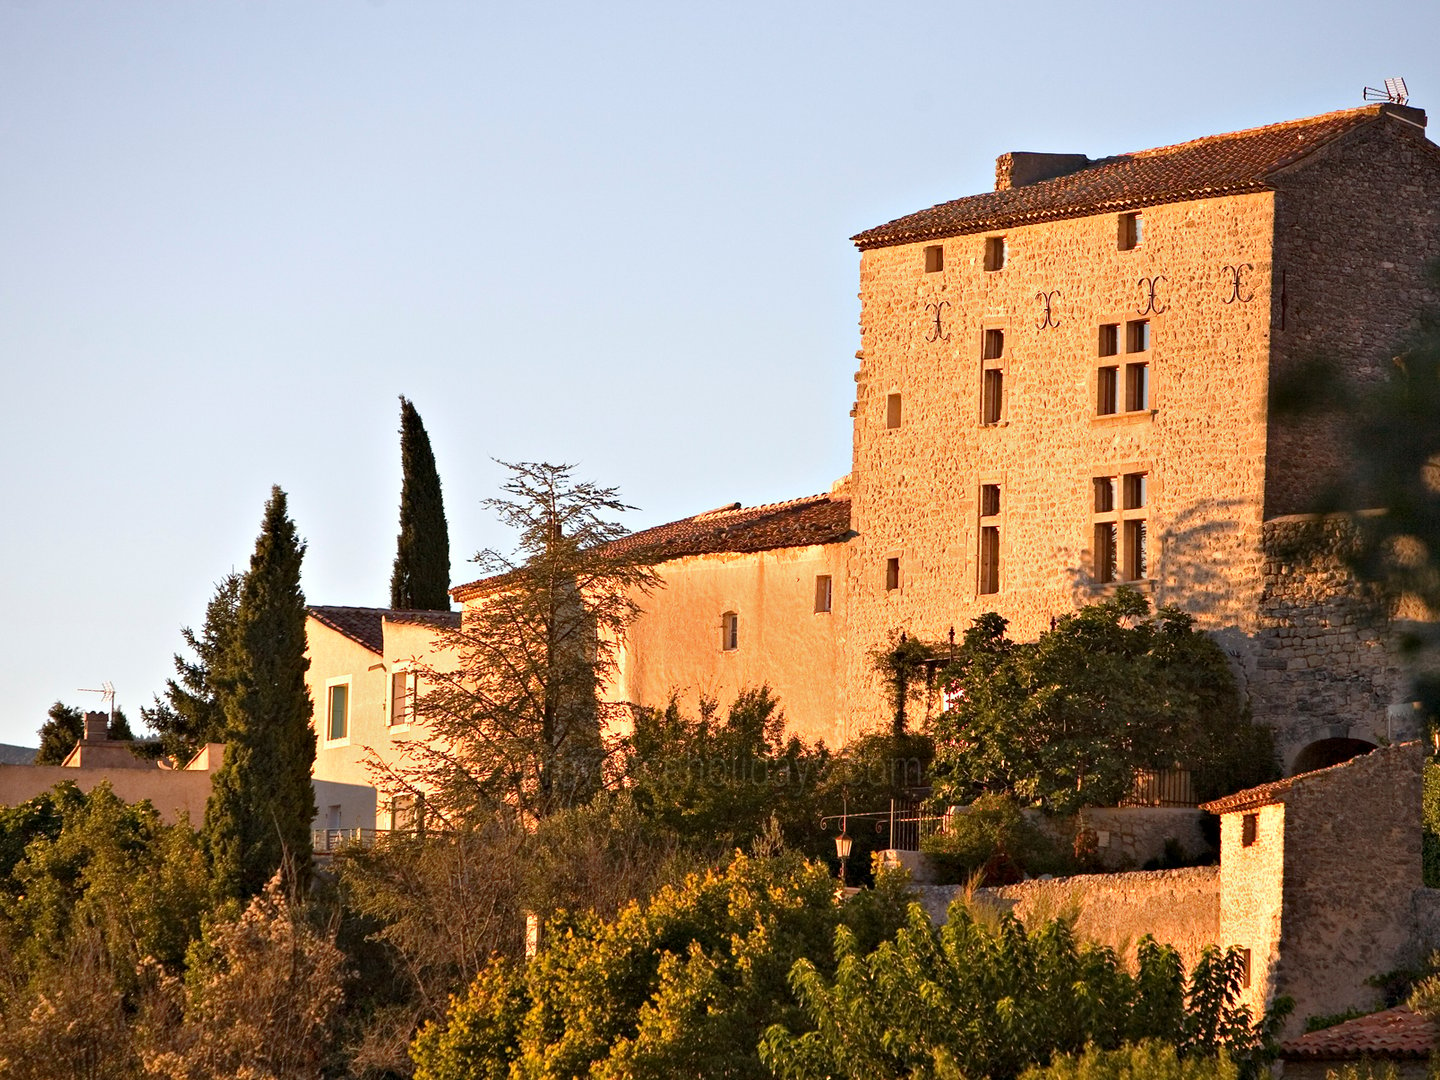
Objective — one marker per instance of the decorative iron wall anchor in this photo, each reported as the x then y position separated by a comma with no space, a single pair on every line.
1235,273
1150,302
1047,316
938,334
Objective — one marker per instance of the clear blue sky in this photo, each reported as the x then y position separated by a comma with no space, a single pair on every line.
232,233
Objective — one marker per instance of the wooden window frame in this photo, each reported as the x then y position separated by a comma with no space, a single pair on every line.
1123,514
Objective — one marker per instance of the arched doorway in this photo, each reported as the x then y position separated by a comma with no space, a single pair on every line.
1327,752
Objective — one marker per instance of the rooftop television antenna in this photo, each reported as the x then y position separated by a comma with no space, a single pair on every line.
107,695
1394,92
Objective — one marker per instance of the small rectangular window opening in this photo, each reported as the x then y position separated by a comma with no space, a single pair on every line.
892,411
1109,343
1137,335
1136,490
1249,827
1132,231
934,259
989,500
1104,494
1137,387
993,345
1107,391
989,559
992,396
402,697
730,631
824,593
1244,969
892,575
996,252
1106,551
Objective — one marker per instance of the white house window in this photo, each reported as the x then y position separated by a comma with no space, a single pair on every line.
337,721
402,697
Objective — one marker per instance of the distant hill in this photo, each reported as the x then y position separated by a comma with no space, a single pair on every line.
17,755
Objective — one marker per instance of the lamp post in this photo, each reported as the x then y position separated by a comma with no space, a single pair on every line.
843,841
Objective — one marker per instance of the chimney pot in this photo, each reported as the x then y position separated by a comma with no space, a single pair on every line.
97,726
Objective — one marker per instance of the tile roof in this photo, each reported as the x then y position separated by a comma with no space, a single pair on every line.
366,625
1394,1033
1275,792
815,519
1205,168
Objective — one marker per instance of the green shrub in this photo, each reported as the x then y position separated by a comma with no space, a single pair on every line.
991,837
1135,1061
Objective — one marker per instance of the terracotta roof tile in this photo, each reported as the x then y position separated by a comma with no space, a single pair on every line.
366,626
815,519
1203,168
1394,1033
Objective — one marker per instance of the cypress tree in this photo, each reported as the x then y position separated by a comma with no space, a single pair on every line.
421,579
262,802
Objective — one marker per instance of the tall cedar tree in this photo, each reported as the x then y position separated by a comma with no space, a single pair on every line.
518,720
421,579
262,803
191,713
64,727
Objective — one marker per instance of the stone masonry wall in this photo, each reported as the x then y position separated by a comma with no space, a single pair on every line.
1352,865
1355,225
1251,896
1202,442
1176,907
1327,666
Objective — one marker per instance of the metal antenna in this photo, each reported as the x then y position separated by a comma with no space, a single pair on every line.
107,695
1395,92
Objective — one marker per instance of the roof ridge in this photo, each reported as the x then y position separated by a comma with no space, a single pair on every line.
803,500
1244,133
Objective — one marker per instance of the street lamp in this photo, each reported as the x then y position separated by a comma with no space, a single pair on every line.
842,849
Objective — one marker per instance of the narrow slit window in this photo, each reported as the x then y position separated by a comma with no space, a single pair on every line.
892,574
1245,969
992,396
997,251
993,345
1249,828
934,259
1132,231
892,411
1136,568
1137,387
402,697
729,631
824,593
989,559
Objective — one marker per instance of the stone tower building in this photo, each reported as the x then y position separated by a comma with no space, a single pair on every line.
1063,386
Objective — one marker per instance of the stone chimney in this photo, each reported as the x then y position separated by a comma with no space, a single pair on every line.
97,726
1018,168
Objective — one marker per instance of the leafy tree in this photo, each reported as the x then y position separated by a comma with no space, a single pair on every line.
65,726
1067,720
680,987
716,782
192,713
984,997
421,578
517,722
262,802
90,863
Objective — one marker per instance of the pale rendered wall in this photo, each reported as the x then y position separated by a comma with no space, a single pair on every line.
915,487
1251,884
783,642
175,794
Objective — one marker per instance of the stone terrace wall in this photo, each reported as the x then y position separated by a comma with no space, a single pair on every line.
1176,907
1326,664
